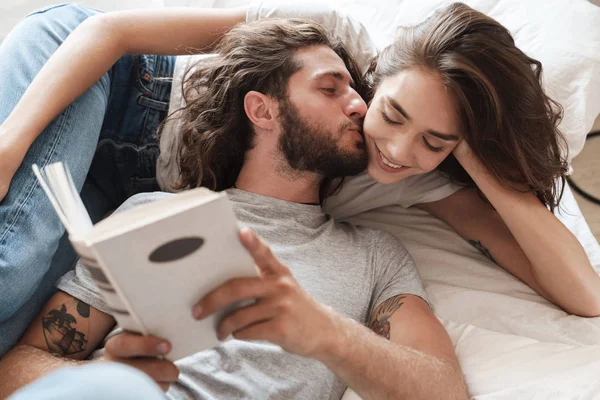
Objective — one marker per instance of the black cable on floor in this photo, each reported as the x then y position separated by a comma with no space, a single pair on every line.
578,189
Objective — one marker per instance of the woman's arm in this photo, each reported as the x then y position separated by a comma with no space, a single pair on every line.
91,50
521,235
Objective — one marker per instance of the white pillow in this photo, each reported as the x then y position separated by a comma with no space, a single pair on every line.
502,366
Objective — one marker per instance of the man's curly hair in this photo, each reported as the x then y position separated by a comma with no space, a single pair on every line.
258,56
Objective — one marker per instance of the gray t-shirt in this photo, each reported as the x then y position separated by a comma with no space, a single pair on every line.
352,269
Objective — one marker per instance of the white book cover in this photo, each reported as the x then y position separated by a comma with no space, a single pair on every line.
154,262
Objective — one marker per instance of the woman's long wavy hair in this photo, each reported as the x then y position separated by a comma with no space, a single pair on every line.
506,118
215,131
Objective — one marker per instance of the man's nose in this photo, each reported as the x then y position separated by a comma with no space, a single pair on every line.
356,107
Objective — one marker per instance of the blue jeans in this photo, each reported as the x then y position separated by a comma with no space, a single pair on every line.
108,139
97,381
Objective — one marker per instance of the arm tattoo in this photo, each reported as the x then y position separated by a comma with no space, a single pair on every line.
380,323
477,244
61,338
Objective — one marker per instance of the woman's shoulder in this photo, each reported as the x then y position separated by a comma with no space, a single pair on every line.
362,193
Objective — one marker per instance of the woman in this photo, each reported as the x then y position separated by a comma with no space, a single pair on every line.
407,133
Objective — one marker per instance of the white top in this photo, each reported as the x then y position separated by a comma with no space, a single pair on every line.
362,193
359,193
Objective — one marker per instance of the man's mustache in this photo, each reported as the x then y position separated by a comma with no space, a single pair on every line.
352,125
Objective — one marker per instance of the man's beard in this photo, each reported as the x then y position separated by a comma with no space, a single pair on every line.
309,148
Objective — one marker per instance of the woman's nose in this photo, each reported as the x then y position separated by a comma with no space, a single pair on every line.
399,148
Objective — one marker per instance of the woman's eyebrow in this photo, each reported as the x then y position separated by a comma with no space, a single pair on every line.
397,107
444,136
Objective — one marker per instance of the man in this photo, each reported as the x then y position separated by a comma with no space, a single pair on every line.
281,98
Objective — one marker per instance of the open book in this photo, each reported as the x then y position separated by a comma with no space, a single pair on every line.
153,262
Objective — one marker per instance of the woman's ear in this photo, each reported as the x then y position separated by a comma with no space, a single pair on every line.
260,110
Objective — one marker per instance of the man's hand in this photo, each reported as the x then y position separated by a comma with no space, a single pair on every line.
142,352
283,314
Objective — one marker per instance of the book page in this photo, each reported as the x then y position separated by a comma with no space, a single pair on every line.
144,214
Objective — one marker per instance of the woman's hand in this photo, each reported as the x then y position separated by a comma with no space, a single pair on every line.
468,160
284,313
462,150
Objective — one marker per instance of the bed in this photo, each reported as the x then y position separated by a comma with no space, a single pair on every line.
511,343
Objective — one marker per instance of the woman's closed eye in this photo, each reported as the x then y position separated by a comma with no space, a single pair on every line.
328,90
432,148
388,120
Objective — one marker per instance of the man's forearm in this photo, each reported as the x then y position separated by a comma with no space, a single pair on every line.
24,364
378,369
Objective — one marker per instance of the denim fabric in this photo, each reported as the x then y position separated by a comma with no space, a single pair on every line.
98,381
107,137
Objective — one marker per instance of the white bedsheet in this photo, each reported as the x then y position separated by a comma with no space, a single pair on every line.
511,343
466,287
501,366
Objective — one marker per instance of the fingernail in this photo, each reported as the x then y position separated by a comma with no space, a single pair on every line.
162,348
197,312
248,236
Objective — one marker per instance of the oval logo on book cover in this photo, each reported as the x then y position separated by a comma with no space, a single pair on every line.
176,249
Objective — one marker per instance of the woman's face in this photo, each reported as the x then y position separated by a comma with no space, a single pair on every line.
410,127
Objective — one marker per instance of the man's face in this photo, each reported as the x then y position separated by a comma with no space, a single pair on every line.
321,120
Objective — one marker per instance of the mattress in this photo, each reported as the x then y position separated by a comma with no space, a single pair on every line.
511,342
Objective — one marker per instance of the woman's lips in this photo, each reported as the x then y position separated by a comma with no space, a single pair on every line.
381,163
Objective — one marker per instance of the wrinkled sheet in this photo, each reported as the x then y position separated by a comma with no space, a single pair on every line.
511,343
